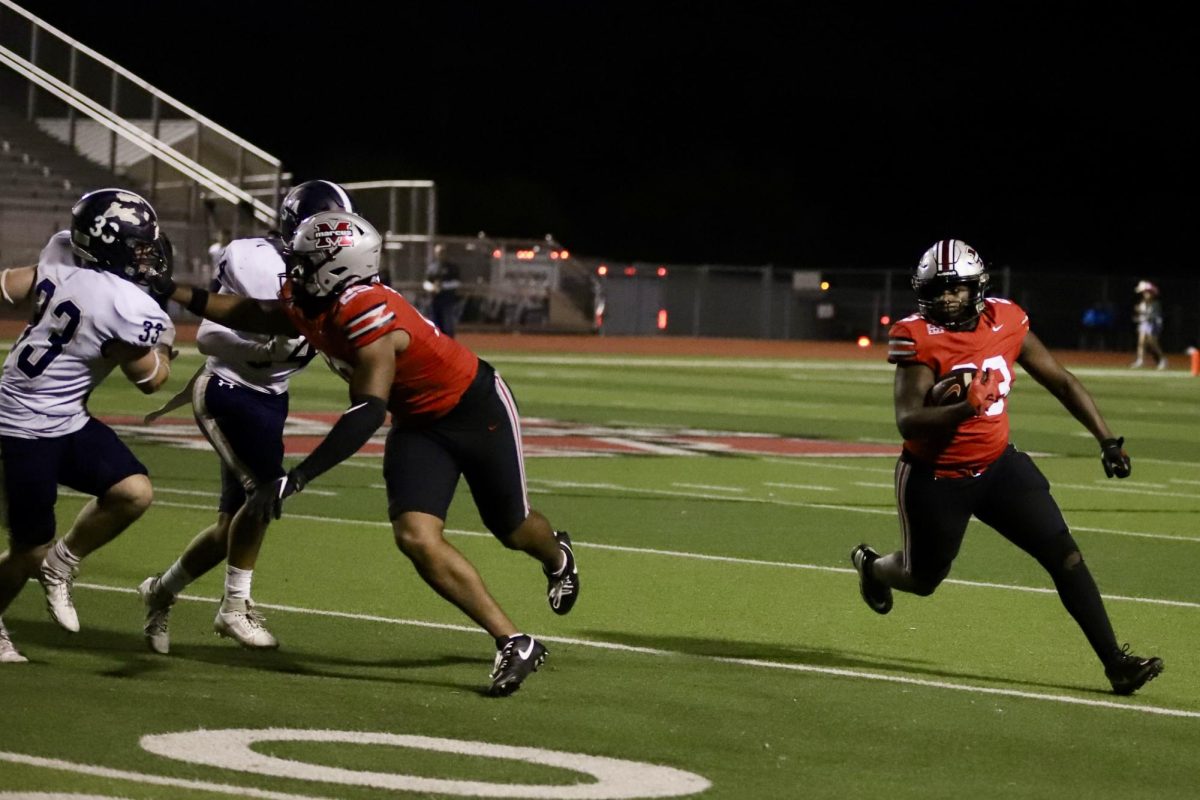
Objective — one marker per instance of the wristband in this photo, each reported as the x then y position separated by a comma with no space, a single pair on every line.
199,301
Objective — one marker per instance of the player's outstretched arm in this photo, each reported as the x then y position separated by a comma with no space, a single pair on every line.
370,386
239,313
1046,370
1058,380
16,284
147,368
232,311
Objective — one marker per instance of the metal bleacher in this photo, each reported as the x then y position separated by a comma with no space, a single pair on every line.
71,120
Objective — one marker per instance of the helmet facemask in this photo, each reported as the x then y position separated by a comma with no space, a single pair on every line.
931,300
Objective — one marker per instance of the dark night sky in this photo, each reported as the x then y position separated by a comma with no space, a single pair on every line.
810,134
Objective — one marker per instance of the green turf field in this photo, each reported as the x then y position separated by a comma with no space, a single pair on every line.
719,647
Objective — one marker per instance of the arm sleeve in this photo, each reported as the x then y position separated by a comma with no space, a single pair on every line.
349,433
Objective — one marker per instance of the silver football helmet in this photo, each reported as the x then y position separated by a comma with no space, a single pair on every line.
331,251
950,263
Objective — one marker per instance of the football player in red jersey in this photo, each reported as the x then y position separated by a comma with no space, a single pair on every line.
452,415
957,461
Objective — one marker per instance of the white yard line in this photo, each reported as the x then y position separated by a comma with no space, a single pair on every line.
724,559
707,487
812,486
796,462
1109,488
146,778
745,662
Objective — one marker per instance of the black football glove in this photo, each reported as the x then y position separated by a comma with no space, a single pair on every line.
1114,458
266,502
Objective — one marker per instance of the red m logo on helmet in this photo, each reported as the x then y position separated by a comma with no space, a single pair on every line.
340,233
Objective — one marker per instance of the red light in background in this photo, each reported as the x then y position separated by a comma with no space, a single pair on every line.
496,253
864,341
662,272
662,319
526,255
885,320
553,255
631,271
564,254
602,270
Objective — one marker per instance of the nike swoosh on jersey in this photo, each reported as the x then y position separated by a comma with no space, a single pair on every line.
997,327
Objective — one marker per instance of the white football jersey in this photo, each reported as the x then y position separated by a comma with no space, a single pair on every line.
60,357
250,268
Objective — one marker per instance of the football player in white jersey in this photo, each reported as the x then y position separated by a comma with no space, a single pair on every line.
90,315
240,400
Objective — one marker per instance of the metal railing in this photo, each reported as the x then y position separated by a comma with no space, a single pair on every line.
1067,310
149,140
405,212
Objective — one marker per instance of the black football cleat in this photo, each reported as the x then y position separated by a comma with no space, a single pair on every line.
875,593
562,587
516,659
1128,672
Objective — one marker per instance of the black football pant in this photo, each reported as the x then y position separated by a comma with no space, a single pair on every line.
1013,497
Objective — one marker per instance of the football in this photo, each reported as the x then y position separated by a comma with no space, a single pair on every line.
950,389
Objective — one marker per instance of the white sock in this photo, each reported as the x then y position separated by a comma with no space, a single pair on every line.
60,560
175,579
237,583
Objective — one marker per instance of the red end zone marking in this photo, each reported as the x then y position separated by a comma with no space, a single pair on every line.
541,438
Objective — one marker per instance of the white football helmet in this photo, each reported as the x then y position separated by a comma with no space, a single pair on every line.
949,263
331,251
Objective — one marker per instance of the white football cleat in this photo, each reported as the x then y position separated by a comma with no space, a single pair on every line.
8,652
238,619
58,598
158,613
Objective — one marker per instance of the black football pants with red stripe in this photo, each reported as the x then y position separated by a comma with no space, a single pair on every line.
1013,497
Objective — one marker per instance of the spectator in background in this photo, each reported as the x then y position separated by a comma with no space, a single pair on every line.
1097,325
1148,317
442,281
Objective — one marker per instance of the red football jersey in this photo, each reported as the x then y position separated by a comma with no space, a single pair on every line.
995,344
431,374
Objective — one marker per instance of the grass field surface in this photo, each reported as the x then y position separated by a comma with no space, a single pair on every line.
719,648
